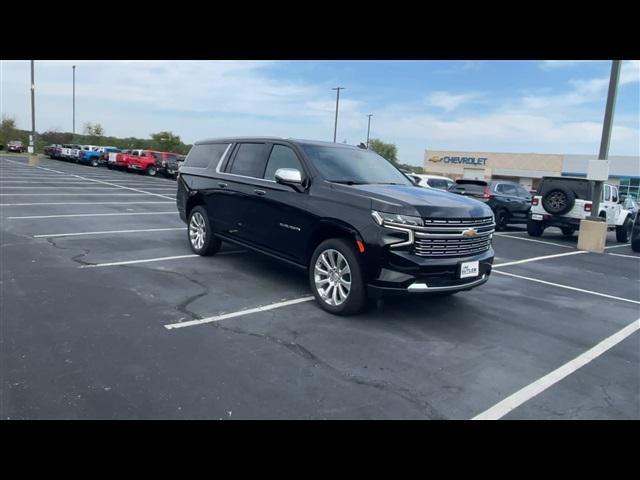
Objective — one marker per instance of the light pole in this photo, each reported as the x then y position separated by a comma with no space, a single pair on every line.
606,131
74,100
369,128
33,114
335,126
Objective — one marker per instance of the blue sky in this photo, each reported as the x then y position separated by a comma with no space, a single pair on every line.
519,106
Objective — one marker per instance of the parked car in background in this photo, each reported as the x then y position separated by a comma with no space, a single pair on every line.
96,155
50,150
563,201
122,160
16,146
146,161
635,234
433,181
630,204
509,201
167,164
344,214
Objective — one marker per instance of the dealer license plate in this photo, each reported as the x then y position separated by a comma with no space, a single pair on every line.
469,269
536,216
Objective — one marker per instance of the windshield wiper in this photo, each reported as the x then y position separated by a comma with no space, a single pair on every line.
348,182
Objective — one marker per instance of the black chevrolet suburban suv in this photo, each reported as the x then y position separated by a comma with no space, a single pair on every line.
345,214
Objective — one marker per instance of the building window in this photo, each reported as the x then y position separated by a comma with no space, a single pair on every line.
630,187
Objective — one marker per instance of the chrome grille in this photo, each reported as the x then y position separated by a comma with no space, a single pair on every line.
444,237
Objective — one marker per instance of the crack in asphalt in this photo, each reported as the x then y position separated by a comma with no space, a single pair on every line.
407,394
75,258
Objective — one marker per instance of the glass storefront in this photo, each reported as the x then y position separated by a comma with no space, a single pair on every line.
630,187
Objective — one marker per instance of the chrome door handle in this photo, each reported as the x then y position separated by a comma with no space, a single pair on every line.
222,185
259,192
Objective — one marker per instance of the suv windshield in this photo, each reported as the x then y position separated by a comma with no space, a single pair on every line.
353,166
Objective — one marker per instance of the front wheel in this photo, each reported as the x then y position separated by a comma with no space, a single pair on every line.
534,229
623,232
152,171
201,238
94,162
336,279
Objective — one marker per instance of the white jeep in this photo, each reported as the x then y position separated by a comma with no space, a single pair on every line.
563,201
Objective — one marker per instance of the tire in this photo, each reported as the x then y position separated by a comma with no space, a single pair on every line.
199,233
502,217
152,171
94,162
534,229
109,166
623,232
567,231
558,200
336,252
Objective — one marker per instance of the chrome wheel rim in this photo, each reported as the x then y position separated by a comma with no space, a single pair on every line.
197,230
332,276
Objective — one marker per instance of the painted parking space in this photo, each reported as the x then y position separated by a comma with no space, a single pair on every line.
101,331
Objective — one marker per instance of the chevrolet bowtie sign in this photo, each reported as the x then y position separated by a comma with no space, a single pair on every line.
460,160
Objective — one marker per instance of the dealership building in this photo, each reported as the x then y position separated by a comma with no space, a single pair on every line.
528,168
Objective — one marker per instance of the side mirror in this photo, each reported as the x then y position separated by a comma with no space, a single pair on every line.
289,176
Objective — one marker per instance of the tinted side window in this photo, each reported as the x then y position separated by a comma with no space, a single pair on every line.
438,183
281,157
509,189
250,160
201,156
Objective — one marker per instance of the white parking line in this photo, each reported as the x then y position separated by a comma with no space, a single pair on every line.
626,256
159,259
535,259
591,292
91,215
102,182
82,203
107,232
61,187
536,241
241,313
83,195
617,246
513,401
131,262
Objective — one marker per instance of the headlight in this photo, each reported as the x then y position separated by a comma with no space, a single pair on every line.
396,219
398,222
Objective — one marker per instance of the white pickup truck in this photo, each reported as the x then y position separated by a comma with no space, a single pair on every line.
563,201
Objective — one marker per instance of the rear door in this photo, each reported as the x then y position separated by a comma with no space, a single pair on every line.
243,186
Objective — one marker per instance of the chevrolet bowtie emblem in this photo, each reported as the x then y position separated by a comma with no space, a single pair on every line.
470,232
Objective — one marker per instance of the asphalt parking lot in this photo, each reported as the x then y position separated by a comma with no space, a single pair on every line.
107,314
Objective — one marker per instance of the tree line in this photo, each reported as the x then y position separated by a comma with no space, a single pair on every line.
92,134
165,141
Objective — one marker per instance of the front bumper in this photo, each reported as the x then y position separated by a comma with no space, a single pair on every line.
408,274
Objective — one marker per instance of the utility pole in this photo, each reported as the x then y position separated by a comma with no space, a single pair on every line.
74,100
369,128
606,131
335,126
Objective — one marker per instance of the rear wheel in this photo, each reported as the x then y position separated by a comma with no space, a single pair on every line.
336,279
94,162
623,232
152,171
201,238
567,231
502,217
535,229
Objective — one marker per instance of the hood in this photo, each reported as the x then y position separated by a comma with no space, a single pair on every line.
427,202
